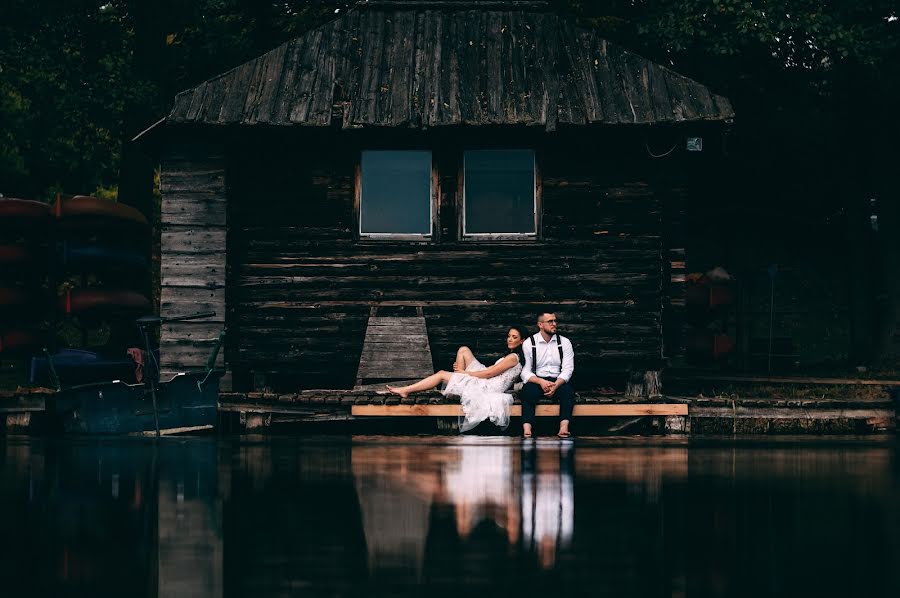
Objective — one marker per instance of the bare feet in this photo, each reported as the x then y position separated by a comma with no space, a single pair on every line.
526,430
398,391
564,429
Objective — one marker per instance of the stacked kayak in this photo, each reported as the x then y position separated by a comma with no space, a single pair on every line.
102,277
82,255
709,301
25,215
91,254
24,304
88,216
75,274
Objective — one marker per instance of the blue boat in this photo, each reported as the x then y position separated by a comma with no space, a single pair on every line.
98,256
186,403
77,366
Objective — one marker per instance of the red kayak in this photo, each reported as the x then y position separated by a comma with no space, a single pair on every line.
15,297
15,255
85,213
22,214
705,345
708,295
20,341
78,301
18,304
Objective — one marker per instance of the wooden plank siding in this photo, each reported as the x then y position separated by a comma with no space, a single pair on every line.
193,249
302,284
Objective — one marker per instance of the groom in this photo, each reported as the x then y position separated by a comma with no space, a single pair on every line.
549,364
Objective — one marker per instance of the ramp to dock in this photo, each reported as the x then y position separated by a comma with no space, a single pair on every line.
395,349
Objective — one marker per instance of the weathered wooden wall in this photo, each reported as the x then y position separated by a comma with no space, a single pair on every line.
302,285
193,255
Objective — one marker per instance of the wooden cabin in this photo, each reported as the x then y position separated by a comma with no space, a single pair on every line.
414,176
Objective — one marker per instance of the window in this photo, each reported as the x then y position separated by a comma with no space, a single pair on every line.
395,194
499,194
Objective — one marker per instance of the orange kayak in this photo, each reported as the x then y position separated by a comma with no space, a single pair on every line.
23,213
84,212
76,301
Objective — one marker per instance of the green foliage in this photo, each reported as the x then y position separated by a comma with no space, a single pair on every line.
817,75
61,96
78,78
807,34
110,193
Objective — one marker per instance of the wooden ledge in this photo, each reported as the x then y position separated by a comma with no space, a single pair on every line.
622,409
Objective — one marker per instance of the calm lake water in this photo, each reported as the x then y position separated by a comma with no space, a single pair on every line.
467,516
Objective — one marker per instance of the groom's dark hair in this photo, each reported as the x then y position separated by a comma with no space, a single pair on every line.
546,310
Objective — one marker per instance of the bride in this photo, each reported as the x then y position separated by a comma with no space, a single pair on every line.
481,389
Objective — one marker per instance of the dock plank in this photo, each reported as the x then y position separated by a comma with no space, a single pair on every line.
615,410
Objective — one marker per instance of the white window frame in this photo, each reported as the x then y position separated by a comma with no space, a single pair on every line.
397,236
535,203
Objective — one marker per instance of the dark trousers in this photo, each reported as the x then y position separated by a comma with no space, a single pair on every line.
532,393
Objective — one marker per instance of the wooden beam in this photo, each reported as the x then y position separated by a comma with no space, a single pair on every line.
171,431
785,380
23,404
619,410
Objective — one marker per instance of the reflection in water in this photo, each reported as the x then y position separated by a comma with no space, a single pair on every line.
97,518
480,484
189,523
413,516
548,503
414,500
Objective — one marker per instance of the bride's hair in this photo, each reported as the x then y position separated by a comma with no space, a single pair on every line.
518,350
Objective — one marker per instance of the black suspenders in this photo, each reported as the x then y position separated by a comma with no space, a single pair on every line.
534,353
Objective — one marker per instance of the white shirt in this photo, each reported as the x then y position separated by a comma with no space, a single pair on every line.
548,365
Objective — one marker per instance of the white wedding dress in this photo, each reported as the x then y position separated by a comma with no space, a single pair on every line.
483,398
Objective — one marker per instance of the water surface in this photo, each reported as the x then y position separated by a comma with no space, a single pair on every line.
379,516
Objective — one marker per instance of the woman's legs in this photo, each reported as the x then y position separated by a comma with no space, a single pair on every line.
464,357
428,383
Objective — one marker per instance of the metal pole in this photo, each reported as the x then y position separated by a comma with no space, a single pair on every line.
151,378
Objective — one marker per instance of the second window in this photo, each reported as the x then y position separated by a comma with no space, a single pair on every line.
499,194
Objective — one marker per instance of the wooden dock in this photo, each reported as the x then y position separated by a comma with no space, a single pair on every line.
773,407
792,407
17,407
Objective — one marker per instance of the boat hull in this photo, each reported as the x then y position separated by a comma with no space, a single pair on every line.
78,367
185,403
23,214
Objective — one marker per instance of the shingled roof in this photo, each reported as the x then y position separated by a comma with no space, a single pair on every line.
421,64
